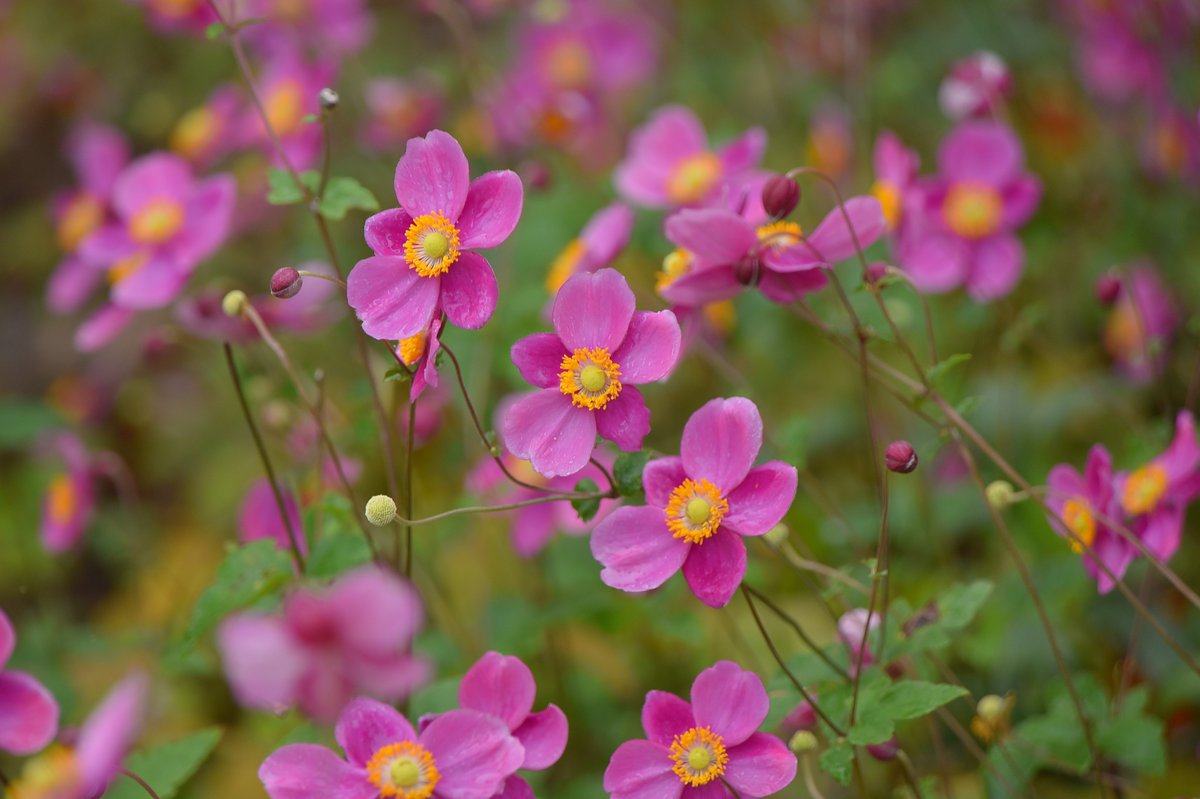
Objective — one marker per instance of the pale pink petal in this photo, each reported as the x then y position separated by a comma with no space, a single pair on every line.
593,310
539,359
469,291
714,569
263,664
664,716
385,231
720,442
70,284
1021,198
109,732
744,152
8,638
606,234
641,770
152,285
28,713
651,347
935,263
699,287
834,239
995,268
625,421
515,787
544,737
500,685
158,176
366,726
760,766
713,235
762,499
209,214
492,210
308,771
547,430
107,245
981,151
433,176
730,700
474,753
375,611
102,327
636,549
392,301
660,477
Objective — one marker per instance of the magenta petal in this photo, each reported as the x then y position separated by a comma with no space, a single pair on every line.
500,685
664,716
393,301
492,210
981,151
544,736
713,790
995,268
550,432
308,771
8,639
515,787
160,175
385,231
730,700
375,611
714,569
469,291
834,240
539,358
70,285
593,310
107,245
262,662
760,766
474,753
1182,456
763,498
934,262
109,732
650,348
1021,199
433,176
152,285
788,287
711,284
744,152
209,213
625,421
636,549
100,328
641,770
366,726
720,442
606,234
713,235
674,131
660,477
533,527
28,712
1162,531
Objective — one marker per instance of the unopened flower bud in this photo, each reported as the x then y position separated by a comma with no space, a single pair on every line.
876,272
900,457
746,271
381,510
328,98
1108,288
885,751
234,303
802,717
803,741
1000,494
776,535
286,283
780,195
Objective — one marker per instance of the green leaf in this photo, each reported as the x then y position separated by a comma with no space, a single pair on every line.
166,767
1133,738
627,471
22,422
939,370
342,195
837,760
283,190
397,374
586,508
336,554
912,699
214,31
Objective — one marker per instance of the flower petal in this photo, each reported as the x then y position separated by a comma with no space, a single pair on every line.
500,685
374,611
547,430
934,262
469,291
366,726
700,287
715,236
8,638
660,477
109,732
763,498
515,787
308,771
834,239
760,766
744,152
720,442
1021,199
730,700
492,209
474,753
995,268
641,770
28,712
262,662
152,285
625,421
980,151
392,301
539,359
433,176
158,176
544,736
651,347
209,214
714,569
665,715
593,310
636,549
385,231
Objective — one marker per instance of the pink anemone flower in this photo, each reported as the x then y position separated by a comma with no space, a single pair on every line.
424,250
70,498
327,647
260,518
290,89
699,507
598,245
1141,325
397,110
329,27
693,750
28,712
462,754
965,233
895,179
587,371
1156,495
1078,501
670,165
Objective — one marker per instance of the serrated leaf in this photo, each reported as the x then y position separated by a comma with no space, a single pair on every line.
939,370
627,471
912,699
586,508
282,189
343,194
166,767
837,760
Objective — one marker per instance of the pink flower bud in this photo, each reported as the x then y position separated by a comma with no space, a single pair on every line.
900,457
286,283
746,271
886,750
1108,288
780,196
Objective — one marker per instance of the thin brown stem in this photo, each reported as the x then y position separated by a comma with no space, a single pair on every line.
145,786
795,625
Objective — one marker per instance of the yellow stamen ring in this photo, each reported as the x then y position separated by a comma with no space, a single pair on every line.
1144,489
695,510
699,756
1077,514
405,770
590,377
431,244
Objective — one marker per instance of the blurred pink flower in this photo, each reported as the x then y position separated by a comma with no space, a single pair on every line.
598,245
327,27
1141,325
210,131
289,90
397,110
1156,495
180,16
28,712
975,87
895,180
259,517
1079,500
70,499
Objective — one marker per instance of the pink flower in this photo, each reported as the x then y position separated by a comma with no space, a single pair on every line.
598,245
895,179
670,165
587,371
462,754
28,712
329,27
167,223
419,352
307,312
694,749
327,647
179,16
84,769
964,235
1156,495
397,110
1141,325
699,507
70,499
1079,500
260,518
720,252
975,87
851,628
423,250
289,89
209,131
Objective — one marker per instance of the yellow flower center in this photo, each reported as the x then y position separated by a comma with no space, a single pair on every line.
126,267
1124,334
779,234
693,178
1144,489
699,756
1077,514
431,244
674,266
590,378
61,499
564,265
51,774
569,65
285,107
695,510
973,210
194,132
412,348
721,315
156,221
175,8
82,215
554,126
405,770
888,195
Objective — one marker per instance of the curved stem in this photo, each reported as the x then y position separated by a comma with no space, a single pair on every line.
145,786
795,625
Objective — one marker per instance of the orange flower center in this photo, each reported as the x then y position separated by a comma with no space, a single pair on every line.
564,265
412,348
431,244
195,132
1144,489
721,315
694,177
405,770
674,266
699,756
569,65
779,234
82,215
126,267
973,210
292,10
888,195
156,221
52,774
590,378
695,510
1077,514
61,499
285,107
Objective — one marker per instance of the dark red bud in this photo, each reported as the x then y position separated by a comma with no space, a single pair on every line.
900,457
780,196
286,283
747,271
1108,288
886,750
